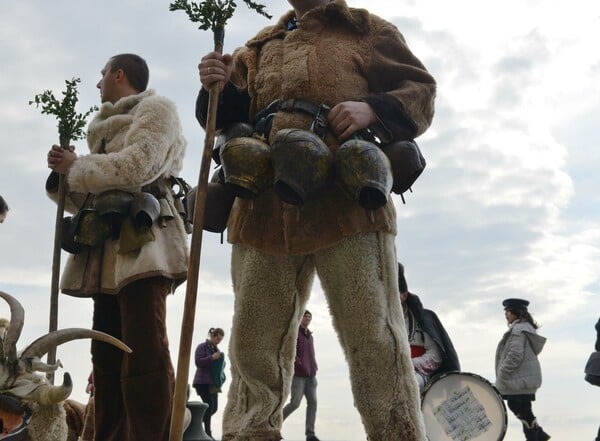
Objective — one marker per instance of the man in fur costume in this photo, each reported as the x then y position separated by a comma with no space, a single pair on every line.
359,65
135,144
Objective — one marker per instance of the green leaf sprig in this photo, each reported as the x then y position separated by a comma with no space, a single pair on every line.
213,14
70,123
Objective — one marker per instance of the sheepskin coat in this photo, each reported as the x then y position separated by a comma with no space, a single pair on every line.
336,54
132,142
518,369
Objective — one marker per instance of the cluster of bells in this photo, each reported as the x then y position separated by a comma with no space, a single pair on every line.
298,164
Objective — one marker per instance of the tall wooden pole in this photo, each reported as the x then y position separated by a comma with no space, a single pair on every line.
60,211
189,308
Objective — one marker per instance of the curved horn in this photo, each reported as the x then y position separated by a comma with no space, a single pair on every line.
42,345
17,318
47,394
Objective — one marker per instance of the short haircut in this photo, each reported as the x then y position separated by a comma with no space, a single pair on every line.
135,69
307,312
3,205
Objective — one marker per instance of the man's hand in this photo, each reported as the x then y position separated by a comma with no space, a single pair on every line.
215,68
217,355
350,116
60,160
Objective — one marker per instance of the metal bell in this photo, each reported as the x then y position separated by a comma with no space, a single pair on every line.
166,214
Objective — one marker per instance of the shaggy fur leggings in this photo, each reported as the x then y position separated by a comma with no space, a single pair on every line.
359,278
133,392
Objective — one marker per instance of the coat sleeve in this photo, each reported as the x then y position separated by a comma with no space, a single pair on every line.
403,91
145,157
515,349
233,106
202,356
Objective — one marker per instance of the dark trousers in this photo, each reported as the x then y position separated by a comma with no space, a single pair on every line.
520,405
213,403
133,392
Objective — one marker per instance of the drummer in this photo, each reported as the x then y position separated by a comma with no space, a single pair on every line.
432,351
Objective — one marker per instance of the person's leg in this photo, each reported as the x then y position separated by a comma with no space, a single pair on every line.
147,376
521,407
310,392
360,280
295,396
207,397
270,294
109,414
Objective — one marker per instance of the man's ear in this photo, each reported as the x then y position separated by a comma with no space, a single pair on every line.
120,75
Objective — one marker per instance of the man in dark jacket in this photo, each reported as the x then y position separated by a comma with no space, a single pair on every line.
305,380
432,351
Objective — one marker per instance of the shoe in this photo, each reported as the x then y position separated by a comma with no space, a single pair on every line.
312,438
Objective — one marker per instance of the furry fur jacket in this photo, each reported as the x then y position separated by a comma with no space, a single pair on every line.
132,142
336,54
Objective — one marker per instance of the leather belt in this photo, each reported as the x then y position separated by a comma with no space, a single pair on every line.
264,117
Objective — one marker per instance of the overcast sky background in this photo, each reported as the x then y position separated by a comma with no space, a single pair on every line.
507,207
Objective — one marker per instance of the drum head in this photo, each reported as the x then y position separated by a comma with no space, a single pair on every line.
460,406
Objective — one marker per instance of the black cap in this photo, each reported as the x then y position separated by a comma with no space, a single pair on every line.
515,303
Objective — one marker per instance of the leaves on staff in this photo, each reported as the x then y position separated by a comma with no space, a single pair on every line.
70,123
213,14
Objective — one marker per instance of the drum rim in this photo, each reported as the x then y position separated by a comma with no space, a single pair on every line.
437,377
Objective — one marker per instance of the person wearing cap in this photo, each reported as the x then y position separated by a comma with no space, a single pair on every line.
518,371
431,349
304,382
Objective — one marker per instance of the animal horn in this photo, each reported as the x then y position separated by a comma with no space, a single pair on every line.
8,348
42,345
47,394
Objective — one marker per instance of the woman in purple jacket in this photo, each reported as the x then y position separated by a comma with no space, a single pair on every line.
207,354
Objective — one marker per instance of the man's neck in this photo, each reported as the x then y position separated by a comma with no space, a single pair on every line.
304,7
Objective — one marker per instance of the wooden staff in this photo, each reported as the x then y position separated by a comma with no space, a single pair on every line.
189,308
60,211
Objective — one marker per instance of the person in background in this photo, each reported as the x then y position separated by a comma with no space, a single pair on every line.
432,351
304,382
518,371
3,209
209,363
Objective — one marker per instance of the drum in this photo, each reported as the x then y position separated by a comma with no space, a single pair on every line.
460,406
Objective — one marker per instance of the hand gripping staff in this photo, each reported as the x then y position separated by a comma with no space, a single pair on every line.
70,128
210,14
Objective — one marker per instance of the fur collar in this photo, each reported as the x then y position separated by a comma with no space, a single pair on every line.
336,12
124,105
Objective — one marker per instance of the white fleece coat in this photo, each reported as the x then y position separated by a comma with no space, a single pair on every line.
132,143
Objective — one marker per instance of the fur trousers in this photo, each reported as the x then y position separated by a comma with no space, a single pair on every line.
359,278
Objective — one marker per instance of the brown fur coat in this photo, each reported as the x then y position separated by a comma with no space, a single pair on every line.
337,54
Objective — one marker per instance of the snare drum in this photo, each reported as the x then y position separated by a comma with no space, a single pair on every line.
460,406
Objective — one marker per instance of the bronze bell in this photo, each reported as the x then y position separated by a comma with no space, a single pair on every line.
166,214
92,230
145,209
364,172
302,164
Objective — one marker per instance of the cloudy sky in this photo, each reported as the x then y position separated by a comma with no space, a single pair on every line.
507,207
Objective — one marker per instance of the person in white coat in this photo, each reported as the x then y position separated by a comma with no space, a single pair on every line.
518,371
